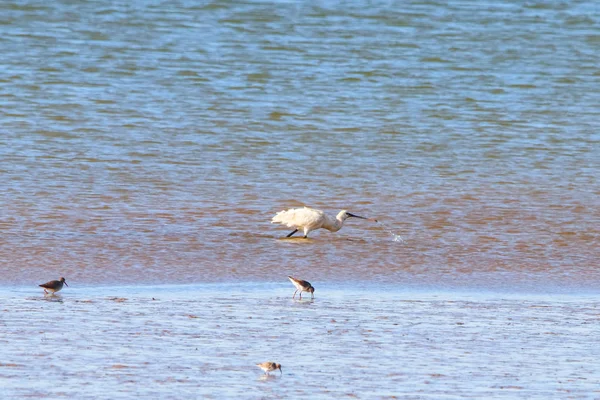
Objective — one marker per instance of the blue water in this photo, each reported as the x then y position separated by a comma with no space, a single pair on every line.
203,341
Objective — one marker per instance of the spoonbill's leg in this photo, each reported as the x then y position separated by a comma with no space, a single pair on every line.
290,235
295,293
301,295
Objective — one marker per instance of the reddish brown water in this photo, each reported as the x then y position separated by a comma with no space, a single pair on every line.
447,242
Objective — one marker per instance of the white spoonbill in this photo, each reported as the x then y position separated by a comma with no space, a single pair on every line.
309,219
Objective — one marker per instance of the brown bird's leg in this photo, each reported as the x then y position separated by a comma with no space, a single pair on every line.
290,235
294,296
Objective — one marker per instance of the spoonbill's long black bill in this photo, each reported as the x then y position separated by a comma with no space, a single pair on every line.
356,216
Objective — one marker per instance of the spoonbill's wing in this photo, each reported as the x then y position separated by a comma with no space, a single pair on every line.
298,217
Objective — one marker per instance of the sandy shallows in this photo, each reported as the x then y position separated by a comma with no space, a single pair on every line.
203,341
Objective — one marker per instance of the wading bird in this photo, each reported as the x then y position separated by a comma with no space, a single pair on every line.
53,286
309,219
269,366
302,286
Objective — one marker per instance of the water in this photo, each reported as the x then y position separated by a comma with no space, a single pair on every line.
395,236
202,341
152,142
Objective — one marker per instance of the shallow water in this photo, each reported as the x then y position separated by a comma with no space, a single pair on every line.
202,341
147,142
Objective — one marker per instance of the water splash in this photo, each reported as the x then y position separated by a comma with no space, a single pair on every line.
397,238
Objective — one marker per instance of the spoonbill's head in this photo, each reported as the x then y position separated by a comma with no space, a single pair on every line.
344,215
63,281
311,290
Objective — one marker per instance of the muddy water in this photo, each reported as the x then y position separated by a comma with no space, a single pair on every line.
202,341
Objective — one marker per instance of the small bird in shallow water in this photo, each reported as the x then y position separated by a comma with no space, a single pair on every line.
53,286
309,219
269,366
302,286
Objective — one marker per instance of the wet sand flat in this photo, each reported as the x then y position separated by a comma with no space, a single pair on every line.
202,341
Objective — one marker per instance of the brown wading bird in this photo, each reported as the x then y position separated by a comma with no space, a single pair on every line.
302,286
53,286
309,219
269,366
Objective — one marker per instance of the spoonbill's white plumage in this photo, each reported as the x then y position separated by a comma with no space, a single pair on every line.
309,219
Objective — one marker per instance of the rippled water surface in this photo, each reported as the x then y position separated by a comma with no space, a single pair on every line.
146,142
202,341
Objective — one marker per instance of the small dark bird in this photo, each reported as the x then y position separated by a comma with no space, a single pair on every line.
53,286
269,366
302,286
